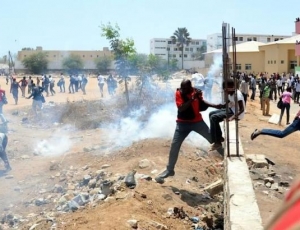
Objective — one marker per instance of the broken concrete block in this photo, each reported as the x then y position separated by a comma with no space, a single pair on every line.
215,188
274,119
256,160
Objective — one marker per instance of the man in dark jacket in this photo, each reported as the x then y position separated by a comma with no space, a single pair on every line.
37,96
189,118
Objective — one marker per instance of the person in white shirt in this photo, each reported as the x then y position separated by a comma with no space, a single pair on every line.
279,86
217,116
101,84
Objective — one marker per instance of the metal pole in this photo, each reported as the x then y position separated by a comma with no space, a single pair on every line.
235,91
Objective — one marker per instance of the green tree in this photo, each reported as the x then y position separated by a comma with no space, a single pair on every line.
181,38
36,63
73,64
103,64
122,49
199,55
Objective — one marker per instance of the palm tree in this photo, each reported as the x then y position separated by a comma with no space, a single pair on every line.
181,37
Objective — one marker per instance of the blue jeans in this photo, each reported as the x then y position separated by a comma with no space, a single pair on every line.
181,132
295,126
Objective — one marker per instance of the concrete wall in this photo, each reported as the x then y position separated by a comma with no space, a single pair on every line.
240,207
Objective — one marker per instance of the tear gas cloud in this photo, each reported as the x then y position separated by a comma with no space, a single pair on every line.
57,144
161,123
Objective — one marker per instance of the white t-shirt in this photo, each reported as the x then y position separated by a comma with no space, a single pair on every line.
100,79
231,104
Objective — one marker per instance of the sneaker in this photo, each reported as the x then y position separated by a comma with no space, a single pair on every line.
215,146
8,168
254,134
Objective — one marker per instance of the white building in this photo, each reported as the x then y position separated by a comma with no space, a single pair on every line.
214,41
164,48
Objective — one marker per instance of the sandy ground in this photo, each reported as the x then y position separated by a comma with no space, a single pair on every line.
31,173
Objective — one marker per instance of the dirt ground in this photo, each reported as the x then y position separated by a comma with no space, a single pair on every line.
31,176
34,176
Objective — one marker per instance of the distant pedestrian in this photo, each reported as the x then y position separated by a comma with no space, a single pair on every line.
72,83
14,89
23,85
61,83
29,84
286,104
83,84
52,83
101,84
3,101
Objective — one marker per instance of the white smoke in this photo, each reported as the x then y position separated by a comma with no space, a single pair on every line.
58,144
161,124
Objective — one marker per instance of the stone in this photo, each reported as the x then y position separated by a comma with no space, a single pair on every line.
145,163
85,167
17,189
256,160
25,157
58,189
284,183
133,223
80,200
121,195
40,201
72,205
101,196
86,179
275,187
87,149
9,177
159,225
92,183
268,184
265,192
215,188
110,199
269,179
105,166
54,166
155,171
272,174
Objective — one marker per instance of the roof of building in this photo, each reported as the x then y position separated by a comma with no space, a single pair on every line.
251,46
290,40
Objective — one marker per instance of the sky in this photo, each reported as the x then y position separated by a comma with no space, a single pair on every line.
75,24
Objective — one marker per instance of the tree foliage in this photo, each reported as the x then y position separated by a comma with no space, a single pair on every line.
73,64
36,63
181,38
103,63
122,49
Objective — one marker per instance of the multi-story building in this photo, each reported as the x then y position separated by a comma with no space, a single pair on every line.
164,48
56,57
214,41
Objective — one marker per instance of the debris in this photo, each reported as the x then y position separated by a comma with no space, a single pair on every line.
214,188
145,163
133,223
129,180
284,183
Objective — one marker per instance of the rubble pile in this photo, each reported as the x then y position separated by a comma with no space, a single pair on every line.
265,177
84,188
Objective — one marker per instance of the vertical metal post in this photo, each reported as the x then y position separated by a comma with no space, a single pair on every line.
235,90
225,79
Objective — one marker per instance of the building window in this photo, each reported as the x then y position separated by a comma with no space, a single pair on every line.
249,39
54,55
186,49
268,62
268,39
83,55
238,67
241,39
169,42
274,61
276,39
271,62
97,55
282,62
185,55
24,55
91,55
197,43
180,55
248,67
175,49
174,55
293,64
254,38
191,49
